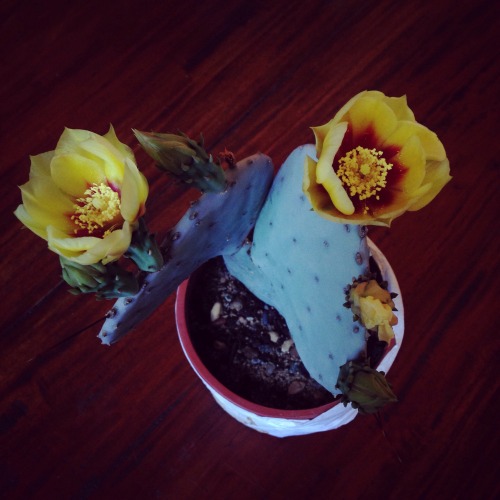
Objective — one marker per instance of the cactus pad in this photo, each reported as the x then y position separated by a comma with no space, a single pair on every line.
217,224
301,263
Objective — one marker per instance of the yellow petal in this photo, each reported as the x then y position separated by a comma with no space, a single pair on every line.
40,165
399,205
43,203
342,112
374,312
372,114
134,192
319,198
90,250
436,177
320,134
99,149
116,244
325,174
73,174
110,248
321,131
71,138
42,188
400,108
46,210
112,154
30,222
123,149
373,289
434,149
385,332
105,155
69,246
412,157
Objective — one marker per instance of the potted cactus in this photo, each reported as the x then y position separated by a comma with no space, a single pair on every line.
295,240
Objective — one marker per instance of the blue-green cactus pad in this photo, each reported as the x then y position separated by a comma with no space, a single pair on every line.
301,263
217,224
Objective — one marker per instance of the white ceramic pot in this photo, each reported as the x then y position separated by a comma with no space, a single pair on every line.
283,423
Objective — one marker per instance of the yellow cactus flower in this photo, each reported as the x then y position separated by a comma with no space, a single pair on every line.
374,307
374,312
85,197
374,162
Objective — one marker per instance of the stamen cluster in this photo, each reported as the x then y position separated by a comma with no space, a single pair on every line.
363,172
94,211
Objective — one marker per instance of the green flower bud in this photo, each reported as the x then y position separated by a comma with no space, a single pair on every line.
184,159
365,388
106,281
83,278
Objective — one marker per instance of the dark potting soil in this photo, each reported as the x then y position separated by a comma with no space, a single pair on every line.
246,344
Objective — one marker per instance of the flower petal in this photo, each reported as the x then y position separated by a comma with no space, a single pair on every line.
45,204
123,149
113,246
73,174
399,205
134,192
90,250
71,137
371,114
319,198
434,149
105,155
30,222
385,332
68,246
436,177
40,165
325,174
374,312
400,108
321,131
412,158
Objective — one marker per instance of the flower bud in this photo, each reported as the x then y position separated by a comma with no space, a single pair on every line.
365,388
184,159
106,281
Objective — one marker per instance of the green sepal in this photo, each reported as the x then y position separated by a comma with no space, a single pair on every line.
143,249
109,281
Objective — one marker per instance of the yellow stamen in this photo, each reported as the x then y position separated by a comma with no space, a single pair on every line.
363,172
100,206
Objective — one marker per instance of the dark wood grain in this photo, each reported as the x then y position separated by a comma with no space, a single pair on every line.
78,420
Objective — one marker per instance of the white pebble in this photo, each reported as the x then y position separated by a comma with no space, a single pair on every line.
273,336
215,311
236,305
285,347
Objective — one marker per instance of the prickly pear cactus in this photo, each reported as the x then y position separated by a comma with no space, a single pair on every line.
301,263
217,224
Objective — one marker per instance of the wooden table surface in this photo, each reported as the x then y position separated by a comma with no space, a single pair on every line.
80,420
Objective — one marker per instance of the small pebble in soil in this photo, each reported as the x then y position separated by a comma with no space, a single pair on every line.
215,311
